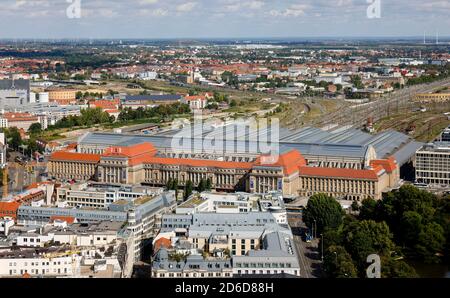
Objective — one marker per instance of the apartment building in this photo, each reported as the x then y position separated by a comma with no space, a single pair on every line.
243,244
18,120
103,249
100,196
45,262
141,216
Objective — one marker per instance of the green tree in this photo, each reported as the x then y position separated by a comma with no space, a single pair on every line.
322,212
169,184
368,209
430,242
202,185
208,184
188,188
13,137
391,268
355,206
410,226
357,82
338,263
35,128
363,238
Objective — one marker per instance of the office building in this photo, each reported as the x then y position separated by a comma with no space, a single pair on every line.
433,164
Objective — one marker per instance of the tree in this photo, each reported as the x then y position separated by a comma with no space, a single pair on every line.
367,209
202,185
188,188
430,242
391,268
169,184
13,136
338,263
410,226
355,206
357,82
331,237
363,238
35,128
208,184
323,212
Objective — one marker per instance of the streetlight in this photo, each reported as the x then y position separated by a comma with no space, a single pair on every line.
335,253
321,236
315,229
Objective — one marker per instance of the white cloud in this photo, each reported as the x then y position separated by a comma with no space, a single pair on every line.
186,7
144,2
294,10
255,4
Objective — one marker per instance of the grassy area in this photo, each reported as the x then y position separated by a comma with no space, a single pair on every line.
299,113
249,107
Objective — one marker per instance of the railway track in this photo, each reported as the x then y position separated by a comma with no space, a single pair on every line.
384,107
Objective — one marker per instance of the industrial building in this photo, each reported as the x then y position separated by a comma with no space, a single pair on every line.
14,93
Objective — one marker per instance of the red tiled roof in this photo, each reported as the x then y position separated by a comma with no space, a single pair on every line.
68,219
194,97
389,164
340,173
289,161
12,117
162,242
69,156
9,209
131,151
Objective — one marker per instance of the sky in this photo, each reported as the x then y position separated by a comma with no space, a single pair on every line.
156,19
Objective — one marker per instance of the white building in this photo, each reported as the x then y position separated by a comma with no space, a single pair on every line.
433,164
6,224
47,264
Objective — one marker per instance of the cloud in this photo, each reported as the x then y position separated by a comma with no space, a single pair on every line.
246,17
186,7
144,2
295,10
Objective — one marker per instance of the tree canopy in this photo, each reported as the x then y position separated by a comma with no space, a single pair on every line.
323,212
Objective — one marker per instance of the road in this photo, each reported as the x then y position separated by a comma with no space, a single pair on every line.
310,264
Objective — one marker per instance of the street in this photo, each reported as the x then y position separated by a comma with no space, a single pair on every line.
309,259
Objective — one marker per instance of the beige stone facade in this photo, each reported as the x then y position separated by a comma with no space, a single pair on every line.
290,174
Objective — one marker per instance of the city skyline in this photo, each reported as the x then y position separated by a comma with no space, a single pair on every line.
223,19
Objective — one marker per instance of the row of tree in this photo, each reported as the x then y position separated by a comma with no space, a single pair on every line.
29,146
128,114
406,224
204,185
88,117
